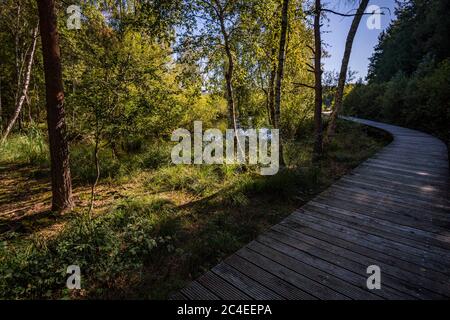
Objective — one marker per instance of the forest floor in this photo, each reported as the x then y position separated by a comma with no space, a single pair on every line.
195,220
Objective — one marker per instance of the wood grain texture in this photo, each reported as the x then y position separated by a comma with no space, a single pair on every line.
392,211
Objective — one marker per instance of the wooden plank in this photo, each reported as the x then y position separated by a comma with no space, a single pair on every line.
221,288
396,269
356,247
395,199
337,277
393,211
415,234
290,275
434,169
267,279
407,184
195,291
371,241
244,283
384,230
424,192
438,204
329,275
417,176
178,296
384,208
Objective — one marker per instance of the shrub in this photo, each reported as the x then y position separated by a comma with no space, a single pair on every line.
105,248
28,148
419,101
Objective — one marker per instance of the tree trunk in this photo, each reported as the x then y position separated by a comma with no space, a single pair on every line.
232,121
26,84
273,74
343,73
280,72
59,151
1,111
318,126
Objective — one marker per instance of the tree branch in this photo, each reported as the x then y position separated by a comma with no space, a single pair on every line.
353,14
304,85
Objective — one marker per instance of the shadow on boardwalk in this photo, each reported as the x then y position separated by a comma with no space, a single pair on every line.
392,211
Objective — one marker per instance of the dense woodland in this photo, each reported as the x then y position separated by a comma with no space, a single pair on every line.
86,117
409,73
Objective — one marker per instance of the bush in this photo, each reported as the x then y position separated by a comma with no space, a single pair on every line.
29,148
420,101
105,248
197,180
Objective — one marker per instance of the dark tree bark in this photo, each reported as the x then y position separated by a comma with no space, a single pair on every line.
280,72
344,66
59,151
26,83
318,126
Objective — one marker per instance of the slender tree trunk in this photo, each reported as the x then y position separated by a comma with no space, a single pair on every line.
273,74
59,151
280,71
26,84
16,52
97,169
344,66
232,119
229,88
1,110
318,126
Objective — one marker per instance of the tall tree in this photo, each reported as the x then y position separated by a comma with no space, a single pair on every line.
219,9
280,70
318,89
59,151
1,110
344,66
220,21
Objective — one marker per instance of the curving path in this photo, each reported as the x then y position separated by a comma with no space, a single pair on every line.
393,211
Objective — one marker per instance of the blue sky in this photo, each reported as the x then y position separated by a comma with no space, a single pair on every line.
335,33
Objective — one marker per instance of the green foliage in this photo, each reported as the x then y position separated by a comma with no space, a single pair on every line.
29,148
136,156
105,248
409,71
419,101
197,180
419,32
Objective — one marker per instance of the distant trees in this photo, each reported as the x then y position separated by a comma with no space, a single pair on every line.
59,150
18,35
419,33
409,73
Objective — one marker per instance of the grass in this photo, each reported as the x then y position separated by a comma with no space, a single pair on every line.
170,223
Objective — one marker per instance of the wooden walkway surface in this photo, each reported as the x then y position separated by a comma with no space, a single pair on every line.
392,211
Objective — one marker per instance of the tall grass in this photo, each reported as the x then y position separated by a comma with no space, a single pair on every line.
29,148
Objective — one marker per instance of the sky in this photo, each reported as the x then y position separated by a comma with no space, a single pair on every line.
335,33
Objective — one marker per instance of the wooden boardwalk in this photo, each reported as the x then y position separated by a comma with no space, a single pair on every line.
392,211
